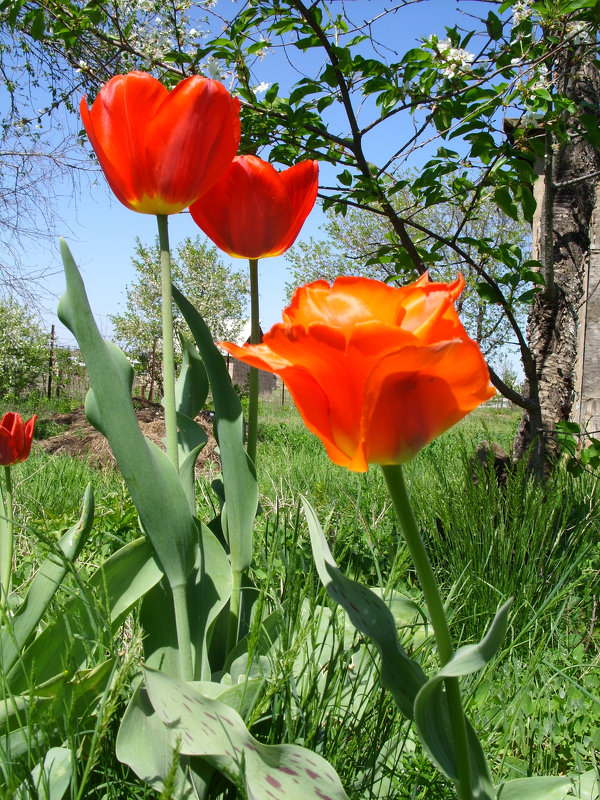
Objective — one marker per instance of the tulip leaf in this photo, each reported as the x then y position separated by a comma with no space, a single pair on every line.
117,585
547,787
432,717
149,748
191,390
150,477
52,776
239,477
211,729
191,387
44,585
208,590
371,616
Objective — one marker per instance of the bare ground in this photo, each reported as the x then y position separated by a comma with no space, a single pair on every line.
81,440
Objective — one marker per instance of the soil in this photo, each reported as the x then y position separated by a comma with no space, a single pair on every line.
81,440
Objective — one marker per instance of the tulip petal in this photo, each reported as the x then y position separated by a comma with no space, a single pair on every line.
161,150
376,372
15,438
200,119
116,127
418,393
300,183
8,454
344,304
253,211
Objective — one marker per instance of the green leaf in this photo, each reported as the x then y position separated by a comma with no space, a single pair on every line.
488,293
504,201
587,785
371,616
150,476
215,731
535,788
432,717
44,585
149,748
191,387
64,644
239,477
52,777
494,26
473,657
208,590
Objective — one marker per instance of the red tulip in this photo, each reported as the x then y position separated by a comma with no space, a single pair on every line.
375,371
161,150
253,211
15,438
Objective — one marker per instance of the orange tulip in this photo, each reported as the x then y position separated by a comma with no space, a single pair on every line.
161,150
376,372
253,211
15,438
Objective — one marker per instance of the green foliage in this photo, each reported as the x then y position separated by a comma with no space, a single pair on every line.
23,350
362,244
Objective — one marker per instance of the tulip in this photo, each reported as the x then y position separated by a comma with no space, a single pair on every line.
376,372
15,446
161,150
15,438
253,211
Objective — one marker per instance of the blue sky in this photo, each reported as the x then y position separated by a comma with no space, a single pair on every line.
101,232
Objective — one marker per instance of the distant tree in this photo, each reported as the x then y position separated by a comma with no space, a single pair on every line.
218,291
23,349
359,244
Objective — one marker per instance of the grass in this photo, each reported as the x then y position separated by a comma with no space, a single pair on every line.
537,709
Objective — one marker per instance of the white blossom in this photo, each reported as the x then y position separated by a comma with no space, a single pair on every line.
456,58
521,11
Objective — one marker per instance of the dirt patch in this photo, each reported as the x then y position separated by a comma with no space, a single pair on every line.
83,441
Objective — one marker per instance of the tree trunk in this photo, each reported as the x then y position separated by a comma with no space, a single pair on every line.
553,320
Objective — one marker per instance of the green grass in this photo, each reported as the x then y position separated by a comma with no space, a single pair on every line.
537,709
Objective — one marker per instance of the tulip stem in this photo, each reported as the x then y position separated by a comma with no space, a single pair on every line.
6,541
234,610
167,332
397,489
182,624
253,374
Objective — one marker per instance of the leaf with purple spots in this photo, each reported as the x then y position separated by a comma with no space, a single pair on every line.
211,729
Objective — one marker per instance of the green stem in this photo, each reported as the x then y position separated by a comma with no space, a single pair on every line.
167,334
234,610
253,375
6,541
397,489
182,624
